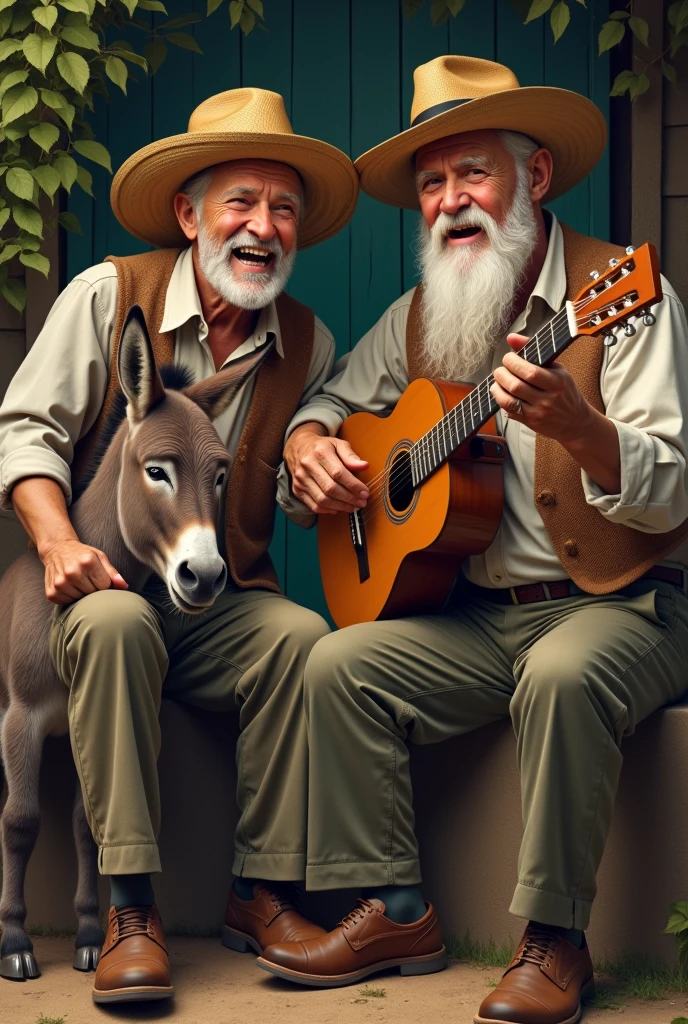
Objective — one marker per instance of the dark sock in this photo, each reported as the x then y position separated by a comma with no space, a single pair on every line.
404,904
576,937
131,891
243,887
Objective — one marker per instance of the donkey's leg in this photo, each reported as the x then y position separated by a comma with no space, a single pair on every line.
22,745
89,934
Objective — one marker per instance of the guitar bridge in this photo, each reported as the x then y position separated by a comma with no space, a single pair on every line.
357,527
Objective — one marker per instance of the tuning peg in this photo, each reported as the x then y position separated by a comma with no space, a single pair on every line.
594,274
629,330
628,302
625,271
608,282
613,262
630,249
609,339
649,319
612,311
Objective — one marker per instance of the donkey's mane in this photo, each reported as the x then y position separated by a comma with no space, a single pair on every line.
174,376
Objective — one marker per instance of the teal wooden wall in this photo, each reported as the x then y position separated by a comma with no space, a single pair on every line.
345,69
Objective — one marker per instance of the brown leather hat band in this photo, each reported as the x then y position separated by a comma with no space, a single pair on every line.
438,108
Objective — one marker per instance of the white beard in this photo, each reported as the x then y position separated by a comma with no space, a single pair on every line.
469,290
250,291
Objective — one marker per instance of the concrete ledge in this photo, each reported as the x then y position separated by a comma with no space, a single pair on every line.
468,821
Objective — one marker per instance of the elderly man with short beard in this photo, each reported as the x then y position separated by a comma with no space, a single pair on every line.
226,205
575,670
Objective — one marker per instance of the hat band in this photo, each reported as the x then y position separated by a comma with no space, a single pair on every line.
439,108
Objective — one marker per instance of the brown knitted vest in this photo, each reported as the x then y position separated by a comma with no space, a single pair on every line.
280,382
598,555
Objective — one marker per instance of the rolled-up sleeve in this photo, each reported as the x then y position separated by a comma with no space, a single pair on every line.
55,396
644,385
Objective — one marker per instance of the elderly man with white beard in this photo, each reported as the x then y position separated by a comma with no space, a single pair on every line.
576,670
226,205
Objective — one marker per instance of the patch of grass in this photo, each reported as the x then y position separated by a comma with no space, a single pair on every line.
479,954
492,983
49,1020
373,993
46,931
643,978
606,998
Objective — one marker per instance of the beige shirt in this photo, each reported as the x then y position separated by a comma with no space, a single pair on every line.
644,386
59,389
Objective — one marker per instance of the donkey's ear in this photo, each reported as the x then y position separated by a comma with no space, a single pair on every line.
215,394
138,374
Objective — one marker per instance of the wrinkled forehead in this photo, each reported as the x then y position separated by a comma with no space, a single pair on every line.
177,428
478,146
260,176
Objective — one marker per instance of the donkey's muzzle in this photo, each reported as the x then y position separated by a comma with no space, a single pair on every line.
199,581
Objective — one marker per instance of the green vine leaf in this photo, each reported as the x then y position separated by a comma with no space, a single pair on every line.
14,78
84,180
6,3
78,6
639,86
247,21
611,34
80,35
257,6
57,102
116,70
669,72
8,252
152,5
411,7
94,151
4,217
130,6
48,178
39,49
619,15
29,220
66,169
182,22
640,29
15,293
236,9
156,52
19,182
559,19
75,71
36,262
70,221
213,6
45,16
9,46
537,9
622,83
19,100
44,135
184,40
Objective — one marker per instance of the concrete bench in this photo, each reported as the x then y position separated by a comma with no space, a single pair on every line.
468,819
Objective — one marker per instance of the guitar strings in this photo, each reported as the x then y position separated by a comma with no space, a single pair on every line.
400,469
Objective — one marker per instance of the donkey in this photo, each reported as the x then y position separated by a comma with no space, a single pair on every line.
151,503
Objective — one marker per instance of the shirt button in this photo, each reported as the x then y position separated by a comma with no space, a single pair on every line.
496,577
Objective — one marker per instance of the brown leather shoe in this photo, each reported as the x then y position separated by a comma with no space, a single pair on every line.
545,983
268,918
365,942
133,963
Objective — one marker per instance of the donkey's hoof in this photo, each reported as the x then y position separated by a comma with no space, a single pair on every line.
19,967
86,958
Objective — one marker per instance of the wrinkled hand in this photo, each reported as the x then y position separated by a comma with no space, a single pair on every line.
322,471
73,570
551,403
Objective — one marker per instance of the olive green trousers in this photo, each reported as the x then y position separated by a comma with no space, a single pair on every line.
119,652
575,675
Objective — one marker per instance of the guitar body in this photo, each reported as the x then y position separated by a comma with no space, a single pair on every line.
413,540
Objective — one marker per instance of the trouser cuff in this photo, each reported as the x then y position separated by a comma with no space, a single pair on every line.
362,874
550,907
130,859
273,867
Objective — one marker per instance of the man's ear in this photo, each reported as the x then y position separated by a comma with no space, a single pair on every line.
541,167
136,369
186,215
215,394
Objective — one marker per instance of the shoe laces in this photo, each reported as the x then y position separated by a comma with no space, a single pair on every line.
538,946
362,909
132,921
284,897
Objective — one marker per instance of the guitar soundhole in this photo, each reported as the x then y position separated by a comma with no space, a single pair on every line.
400,494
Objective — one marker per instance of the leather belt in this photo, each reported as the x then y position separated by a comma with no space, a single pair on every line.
554,590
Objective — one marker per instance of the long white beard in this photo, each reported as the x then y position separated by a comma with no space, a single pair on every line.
469,290
251,291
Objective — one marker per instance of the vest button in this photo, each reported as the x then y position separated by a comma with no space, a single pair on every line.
571,548
546,498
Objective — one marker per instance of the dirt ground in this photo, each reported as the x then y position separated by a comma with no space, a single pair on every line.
216,986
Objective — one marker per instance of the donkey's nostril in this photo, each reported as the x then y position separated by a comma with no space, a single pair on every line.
221,579
186,575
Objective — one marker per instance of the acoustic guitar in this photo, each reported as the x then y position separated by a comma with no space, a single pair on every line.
435,465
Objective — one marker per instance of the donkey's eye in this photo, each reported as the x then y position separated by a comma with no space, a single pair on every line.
158,474
220,480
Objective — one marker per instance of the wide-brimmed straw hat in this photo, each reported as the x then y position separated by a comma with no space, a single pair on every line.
235,125
463,94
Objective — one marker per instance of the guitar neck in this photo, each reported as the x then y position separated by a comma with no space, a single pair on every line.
460,423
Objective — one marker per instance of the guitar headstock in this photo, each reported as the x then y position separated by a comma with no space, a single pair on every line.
623,292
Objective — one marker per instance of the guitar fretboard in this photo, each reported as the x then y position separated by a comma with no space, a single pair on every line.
456,426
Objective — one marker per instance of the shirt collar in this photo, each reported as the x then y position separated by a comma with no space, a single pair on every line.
550,286
183,303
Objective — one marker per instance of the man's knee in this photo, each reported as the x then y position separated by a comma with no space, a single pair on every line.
109,615
298,628
575,679
337,661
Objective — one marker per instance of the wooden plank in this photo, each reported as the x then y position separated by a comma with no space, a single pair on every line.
519,46
376,278
598,91
219,68
321,277
675,251
473,32
420,42
676,96
675,158
171,88
646,161
12,352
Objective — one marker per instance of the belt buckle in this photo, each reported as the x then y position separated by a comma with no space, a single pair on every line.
514,596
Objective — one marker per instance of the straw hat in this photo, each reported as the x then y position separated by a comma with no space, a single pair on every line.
464,94
235,125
